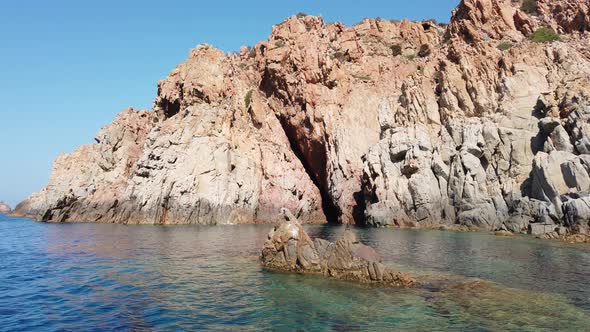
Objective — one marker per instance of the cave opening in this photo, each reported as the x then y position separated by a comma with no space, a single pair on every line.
314,162
170,108
358,211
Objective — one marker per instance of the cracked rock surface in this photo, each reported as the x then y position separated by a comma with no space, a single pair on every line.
409,124
288,248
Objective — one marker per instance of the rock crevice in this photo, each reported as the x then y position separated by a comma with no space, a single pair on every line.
413,124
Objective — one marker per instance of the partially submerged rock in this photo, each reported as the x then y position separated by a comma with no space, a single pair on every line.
576,238
503,233
289,249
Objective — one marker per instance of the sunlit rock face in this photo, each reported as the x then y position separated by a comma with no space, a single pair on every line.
510,149
412,124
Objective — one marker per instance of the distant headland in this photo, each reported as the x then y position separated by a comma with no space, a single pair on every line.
4,208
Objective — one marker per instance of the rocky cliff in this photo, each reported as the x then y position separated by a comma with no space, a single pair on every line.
481,122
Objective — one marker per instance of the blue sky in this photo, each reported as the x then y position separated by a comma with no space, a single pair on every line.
67,67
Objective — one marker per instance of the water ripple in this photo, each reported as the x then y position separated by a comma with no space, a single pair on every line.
93,277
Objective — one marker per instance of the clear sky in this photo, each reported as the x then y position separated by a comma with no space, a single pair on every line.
68,66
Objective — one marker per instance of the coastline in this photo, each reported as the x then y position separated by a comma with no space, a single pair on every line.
406,123
576,239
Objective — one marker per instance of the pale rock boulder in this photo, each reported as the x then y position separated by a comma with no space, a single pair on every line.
425,185
559,174
577,214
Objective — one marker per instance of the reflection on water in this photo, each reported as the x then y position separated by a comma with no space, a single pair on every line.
117,277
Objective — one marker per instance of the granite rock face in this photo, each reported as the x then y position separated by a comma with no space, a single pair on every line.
288,248
510,150
413,124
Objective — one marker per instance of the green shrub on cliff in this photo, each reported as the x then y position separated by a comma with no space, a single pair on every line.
411,56
529,6
341,56
251,52
504,46
396,49
248,99
544,35
424,51
362,77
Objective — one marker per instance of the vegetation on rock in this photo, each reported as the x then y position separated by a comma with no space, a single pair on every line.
248,99
396,49
361,77
424,51
544,35
341,56
251,52
530,7
504,46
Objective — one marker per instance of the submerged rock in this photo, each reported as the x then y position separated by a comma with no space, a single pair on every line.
503,233
288,248
576,238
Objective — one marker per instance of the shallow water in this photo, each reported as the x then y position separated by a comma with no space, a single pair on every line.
115,277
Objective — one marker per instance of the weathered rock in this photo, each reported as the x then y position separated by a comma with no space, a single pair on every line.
518,223
234,137
288,248
576,238
208,167
515,162
346,124
541,229
577,214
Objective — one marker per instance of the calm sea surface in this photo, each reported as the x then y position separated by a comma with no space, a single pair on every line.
95,277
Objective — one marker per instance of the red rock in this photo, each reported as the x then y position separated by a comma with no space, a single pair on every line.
349,124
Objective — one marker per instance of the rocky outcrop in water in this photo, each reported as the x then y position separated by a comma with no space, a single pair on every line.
4,208
483,123
288,248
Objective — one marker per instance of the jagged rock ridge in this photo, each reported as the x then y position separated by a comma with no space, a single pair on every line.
288,248
385,122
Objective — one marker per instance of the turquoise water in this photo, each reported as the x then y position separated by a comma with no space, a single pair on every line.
96,277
